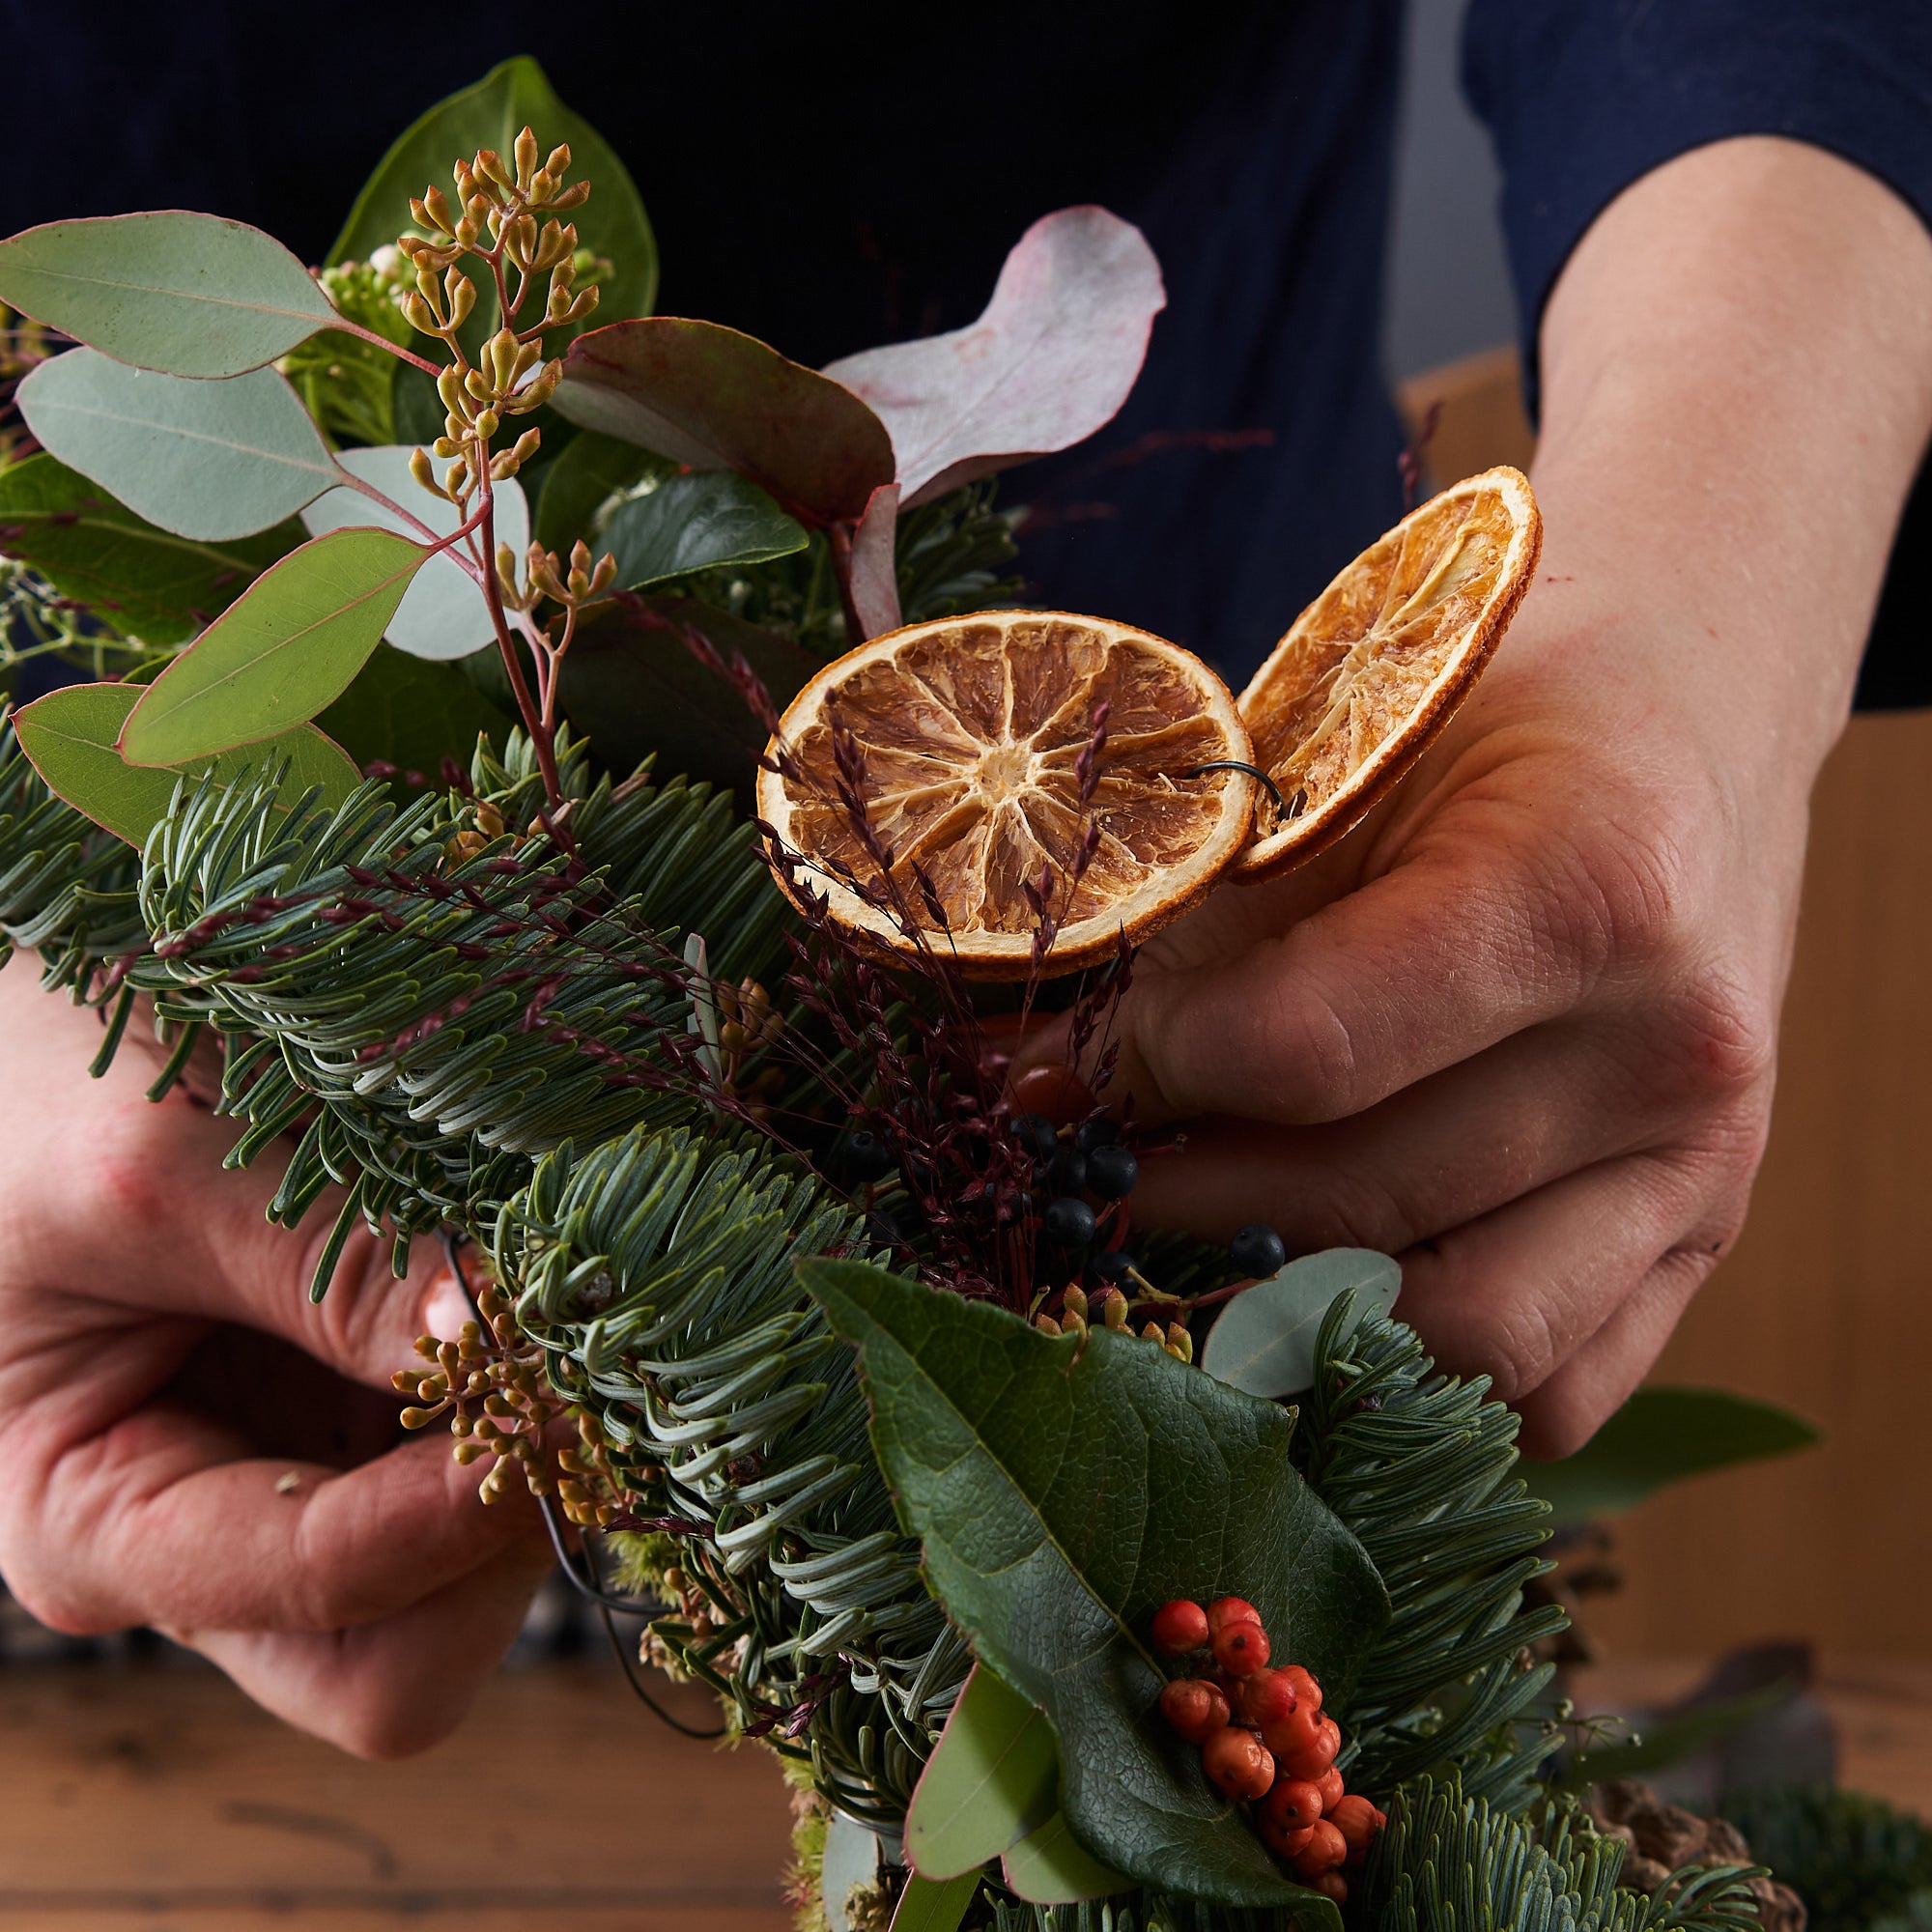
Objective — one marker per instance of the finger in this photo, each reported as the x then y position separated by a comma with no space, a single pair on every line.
391,1689
1569,1409
1446,1151
1518,1294
186,1528
1479,932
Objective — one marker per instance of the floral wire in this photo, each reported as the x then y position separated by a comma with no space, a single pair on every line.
591,1586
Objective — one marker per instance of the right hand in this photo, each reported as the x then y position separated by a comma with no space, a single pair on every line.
190,1444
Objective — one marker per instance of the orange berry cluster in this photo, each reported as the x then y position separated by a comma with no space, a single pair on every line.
1263,1740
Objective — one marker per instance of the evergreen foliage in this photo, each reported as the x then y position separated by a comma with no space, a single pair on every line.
1853,1859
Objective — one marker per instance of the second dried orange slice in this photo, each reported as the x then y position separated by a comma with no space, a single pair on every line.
963,739
1370,671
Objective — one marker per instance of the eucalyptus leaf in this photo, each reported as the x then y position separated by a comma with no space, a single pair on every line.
1660,1436
1062,1489
711,398
1049,362
443,614
588,471
1049,1867
144,581
990,1782
411,714
70,735
204,460
511,96
192,295
697,521
280,653
851,1857
934,1905
1264,1340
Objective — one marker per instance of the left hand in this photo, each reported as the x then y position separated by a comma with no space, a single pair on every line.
1519,1029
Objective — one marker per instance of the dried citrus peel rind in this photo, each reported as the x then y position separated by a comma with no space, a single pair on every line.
1376,666
968,732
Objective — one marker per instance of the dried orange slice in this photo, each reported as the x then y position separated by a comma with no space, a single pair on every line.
968,732
1372,670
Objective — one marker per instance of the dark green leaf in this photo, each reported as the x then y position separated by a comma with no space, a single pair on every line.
991,1780
205,460
713,399
1264,1340
632,686
698,521
70,736
146,582
589,472
1050,1866
1062,1489
1660,1436
509,98
280,653
411,714
192,295
1671,1740
927,1904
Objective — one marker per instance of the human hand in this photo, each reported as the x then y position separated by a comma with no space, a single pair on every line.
190,1444
1519,1029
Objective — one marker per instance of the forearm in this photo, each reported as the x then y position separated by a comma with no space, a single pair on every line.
1736,382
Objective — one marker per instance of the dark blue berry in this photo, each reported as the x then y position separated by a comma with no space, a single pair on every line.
865,1157
1034,1132
1098,1133
1112,1266
1067,1172
1068,1222
882,1230
1112,1172
1257,1249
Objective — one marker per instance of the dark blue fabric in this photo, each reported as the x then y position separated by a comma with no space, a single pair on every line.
830,176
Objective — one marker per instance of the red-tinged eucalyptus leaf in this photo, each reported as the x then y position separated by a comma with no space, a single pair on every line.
284,651
713,399
69,737
1049,362
875,580
192,295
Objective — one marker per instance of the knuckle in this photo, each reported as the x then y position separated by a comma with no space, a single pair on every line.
1312,1056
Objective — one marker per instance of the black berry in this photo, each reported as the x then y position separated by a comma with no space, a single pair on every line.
882,1230
1257,1249
1112,1172
1112,1266
1068,1222
865,1157
1034,1132
1098,1133
1067,1172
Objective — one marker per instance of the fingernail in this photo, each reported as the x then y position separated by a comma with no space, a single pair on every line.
445,1307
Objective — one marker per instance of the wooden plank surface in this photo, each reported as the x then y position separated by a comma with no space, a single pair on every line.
160,1798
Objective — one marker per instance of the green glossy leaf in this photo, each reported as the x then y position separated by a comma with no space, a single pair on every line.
589,472
509,98
279,654
192,295
411,714
934,1905
1062,1489
70,736
991,1780
1050,1866
699,521
1264,1340
711,398
632,686
204,460
146,582
1660,1436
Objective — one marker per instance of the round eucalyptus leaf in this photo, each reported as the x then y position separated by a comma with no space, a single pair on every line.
442,613
1264,1341
192,295
204,460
